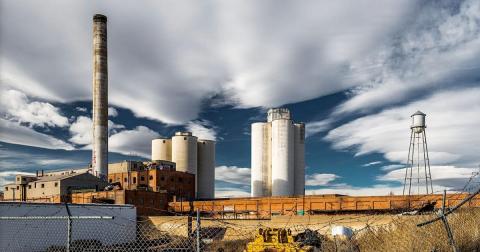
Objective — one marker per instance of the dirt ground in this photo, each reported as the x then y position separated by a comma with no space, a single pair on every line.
235,228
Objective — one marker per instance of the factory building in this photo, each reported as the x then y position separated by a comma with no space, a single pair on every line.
278,156
191,155
155,176
51,187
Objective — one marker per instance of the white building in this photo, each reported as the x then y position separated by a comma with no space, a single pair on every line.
278,156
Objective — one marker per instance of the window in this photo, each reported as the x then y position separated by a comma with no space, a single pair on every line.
6,188
180,180
163,141
162,178
125,180
43,185
29,186
18,187
184,138
134,180
35,185
142,178
140,201
18,179
23,179
171,179
56,184
110,181
151,177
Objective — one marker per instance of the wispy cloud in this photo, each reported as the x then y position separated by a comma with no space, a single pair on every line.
452,132
13,132
320,179
372,163
233,174
202,129
16,106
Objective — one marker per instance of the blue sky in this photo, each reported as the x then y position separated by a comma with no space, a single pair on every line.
354,74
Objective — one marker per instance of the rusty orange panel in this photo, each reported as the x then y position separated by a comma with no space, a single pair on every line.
318,206
251,207
276,207
364,205
347,205
289,207
332,206
381,205
240,207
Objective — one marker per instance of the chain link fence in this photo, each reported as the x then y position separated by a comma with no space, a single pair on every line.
375,232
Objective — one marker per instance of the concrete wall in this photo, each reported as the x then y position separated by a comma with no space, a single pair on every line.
42,189
38,235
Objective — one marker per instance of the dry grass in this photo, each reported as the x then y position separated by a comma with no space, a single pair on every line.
403,234
399,233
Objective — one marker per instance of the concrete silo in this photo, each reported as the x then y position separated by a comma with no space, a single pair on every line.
299,158
206,169
184,152
282,157
278,156
162,149
258,161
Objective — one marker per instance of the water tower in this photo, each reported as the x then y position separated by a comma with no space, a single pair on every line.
417,173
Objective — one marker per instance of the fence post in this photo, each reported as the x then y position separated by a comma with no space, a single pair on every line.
198,230
445,223
69,228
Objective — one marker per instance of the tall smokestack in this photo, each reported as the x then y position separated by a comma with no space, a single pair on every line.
100,97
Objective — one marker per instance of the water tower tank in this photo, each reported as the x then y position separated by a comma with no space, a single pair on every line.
418,121
282,157
184,152
162,149
206,169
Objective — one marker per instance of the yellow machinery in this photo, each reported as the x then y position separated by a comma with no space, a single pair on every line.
274,239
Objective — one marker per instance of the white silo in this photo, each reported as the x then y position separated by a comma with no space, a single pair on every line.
162,149
299,157
258,153
418,121
282,157
184,152
206,169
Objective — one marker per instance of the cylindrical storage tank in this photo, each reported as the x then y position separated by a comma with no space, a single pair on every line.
418,121
162,149
184,152
206,169
282,158
258,151
299,158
